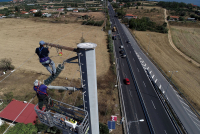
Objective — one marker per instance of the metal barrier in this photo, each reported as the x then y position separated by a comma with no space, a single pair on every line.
65,117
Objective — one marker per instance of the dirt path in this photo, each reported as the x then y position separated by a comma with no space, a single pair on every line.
173,46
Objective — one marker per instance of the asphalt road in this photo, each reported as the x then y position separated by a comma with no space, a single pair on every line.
180,106
157,114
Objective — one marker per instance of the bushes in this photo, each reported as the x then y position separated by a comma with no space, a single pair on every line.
144,24
6,64
92,22
21,128
103,128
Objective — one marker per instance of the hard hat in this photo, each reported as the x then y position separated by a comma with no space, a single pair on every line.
41,42
36,83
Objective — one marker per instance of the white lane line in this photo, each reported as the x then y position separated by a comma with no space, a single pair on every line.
141,61
190,111
150,72
153,76
144,84
196,120
138,70
156,80
143,64
196,125
184,103
153,104
147,68
179,97
130,52
160,87
130,93
165,132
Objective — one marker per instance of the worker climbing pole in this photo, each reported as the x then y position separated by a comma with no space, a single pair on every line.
68,118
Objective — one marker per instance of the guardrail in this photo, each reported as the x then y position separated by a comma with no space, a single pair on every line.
169,109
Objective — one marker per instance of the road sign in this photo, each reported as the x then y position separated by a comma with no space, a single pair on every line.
111,124
113,118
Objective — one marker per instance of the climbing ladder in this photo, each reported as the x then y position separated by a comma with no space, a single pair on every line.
65,117
51,78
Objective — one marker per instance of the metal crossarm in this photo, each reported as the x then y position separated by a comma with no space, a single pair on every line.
65,117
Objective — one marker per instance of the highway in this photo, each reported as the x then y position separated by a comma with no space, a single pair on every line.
158,118
180,106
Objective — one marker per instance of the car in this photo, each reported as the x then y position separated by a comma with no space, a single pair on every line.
123,55
128,42
122,51
121,47
127,82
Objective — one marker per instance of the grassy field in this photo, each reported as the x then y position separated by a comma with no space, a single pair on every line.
187,79
19,39
187,40
154,13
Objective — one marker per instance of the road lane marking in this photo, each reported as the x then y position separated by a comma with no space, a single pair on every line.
153,104
144,64
150,72
153,76
189,111
141,61
156,80
138,70
160,87
144,84
183,103
130,52
165,132
147,68
196,120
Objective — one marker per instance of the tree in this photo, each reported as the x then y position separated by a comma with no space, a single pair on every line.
103,128
21,128
181,19
168,17
17,9
138,3
38,14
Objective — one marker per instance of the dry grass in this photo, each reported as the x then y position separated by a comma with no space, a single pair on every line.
187,40
187,78
20,37
154,13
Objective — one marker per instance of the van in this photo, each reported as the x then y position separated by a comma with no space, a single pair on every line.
121,47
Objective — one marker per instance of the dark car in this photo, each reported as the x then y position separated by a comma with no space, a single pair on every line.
122,51
127,82
128,42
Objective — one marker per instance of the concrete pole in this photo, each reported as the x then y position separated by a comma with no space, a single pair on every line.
87,62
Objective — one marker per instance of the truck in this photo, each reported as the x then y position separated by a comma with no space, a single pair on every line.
114,29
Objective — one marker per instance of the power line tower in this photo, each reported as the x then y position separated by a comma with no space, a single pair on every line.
88,117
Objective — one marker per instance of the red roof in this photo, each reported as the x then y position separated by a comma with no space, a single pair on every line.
15,107
130,15
175,17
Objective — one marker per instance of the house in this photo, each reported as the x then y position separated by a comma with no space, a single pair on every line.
121,5
173,18
33,11
114,1
1,15
129,16
17,109
75,11
191,19
24,12
60,9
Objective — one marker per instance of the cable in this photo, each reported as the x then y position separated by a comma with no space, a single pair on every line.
17,68
19,115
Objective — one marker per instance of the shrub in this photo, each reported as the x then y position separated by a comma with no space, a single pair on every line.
103,128
6,64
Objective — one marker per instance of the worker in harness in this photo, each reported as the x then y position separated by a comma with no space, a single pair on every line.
42,95
43,53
